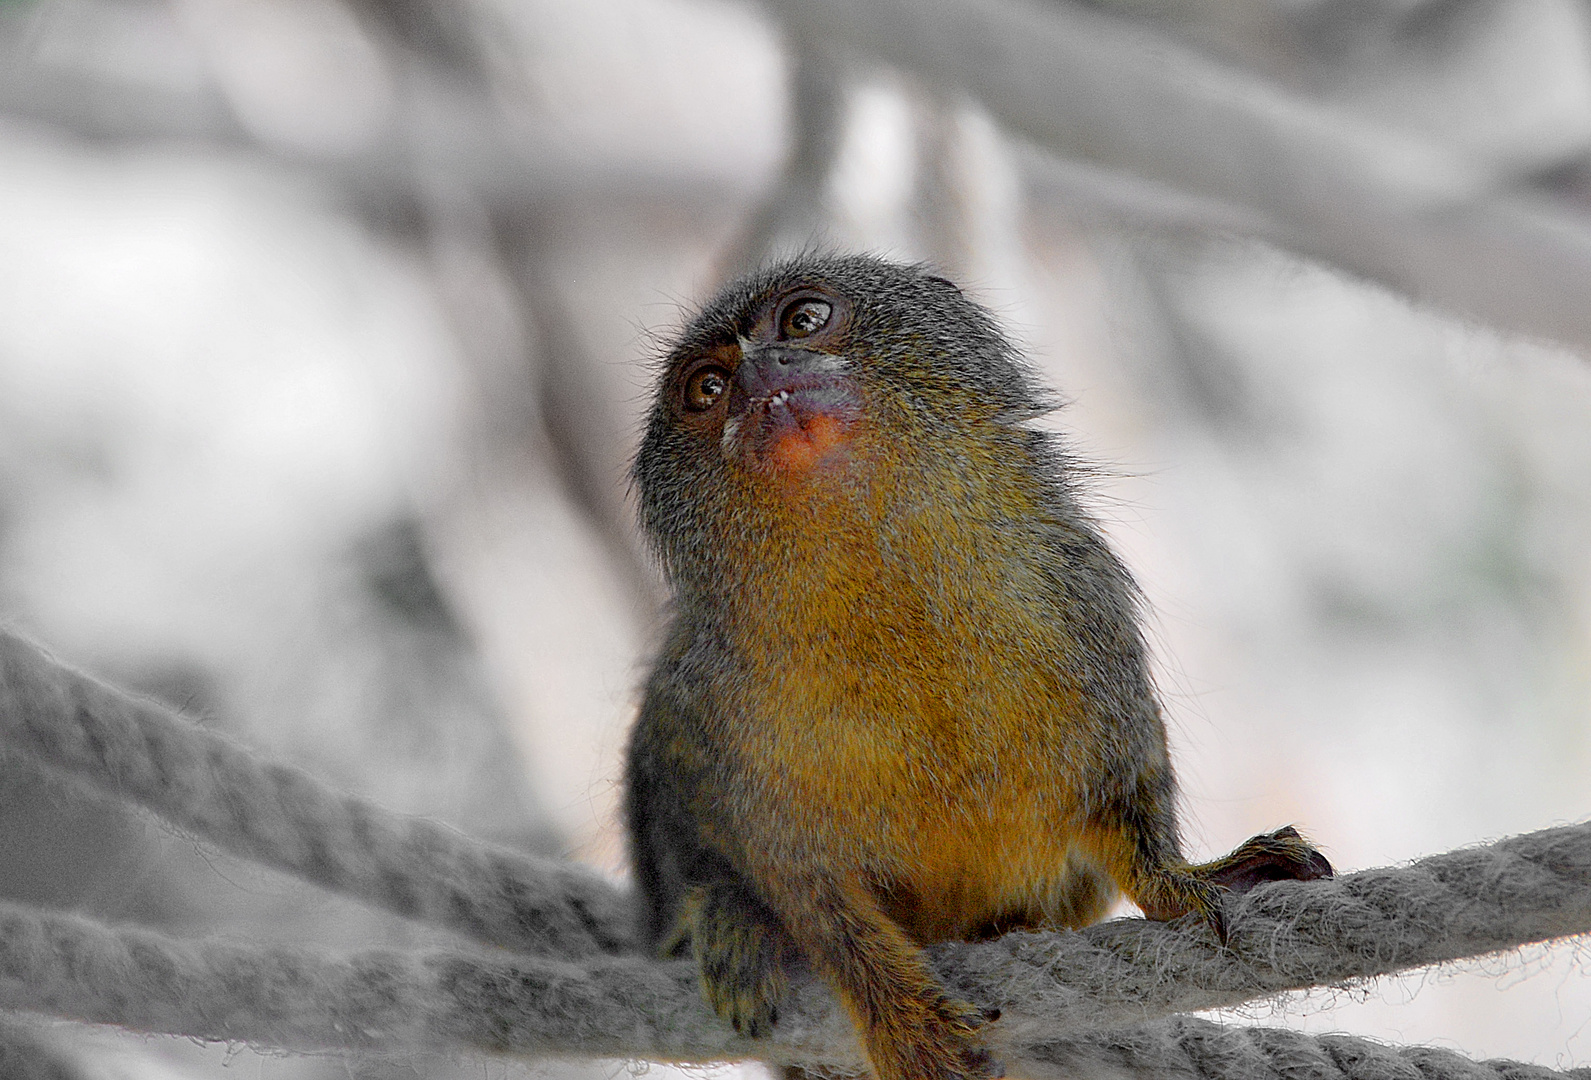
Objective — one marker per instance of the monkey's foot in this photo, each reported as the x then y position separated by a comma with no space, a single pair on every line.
1282,855
741,950
938,1038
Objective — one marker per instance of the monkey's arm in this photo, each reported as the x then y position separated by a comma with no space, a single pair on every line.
1132,828
690,893
662,775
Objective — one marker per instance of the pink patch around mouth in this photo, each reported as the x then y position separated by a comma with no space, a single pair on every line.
795,432
806,443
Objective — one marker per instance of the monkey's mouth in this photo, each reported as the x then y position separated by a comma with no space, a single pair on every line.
791,411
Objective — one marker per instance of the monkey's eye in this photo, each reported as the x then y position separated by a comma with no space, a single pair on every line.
705,386
805,318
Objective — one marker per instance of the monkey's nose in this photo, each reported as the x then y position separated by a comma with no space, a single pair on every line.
789,409
769,370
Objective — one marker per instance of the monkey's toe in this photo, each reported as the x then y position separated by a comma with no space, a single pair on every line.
748,1014
744,984
942,1056
939,1037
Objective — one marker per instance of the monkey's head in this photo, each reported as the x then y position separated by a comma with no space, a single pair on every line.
809,394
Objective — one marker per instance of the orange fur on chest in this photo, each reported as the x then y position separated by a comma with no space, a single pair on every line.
915,710
958,806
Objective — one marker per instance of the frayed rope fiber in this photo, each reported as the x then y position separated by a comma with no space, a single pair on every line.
203,783
1094,1002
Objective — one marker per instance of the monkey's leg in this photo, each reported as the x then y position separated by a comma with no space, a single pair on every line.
1152,872
741,951
912,1027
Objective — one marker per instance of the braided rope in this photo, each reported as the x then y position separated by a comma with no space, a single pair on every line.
603,1007
1068,1000
1188,1048
142,752
1057,992
1288,936
303,999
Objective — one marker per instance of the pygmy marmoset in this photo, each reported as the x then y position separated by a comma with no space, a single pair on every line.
904,696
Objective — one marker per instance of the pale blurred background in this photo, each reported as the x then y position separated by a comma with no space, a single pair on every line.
325,329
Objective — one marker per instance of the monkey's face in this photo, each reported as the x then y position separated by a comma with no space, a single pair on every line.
783,399
816,390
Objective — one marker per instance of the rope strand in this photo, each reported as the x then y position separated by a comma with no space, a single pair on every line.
1096,1002
201,782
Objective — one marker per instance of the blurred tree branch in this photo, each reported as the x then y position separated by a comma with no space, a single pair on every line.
1316,179
791,217
1223,148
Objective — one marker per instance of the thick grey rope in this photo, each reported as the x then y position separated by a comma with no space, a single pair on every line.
1117,975
304,999
606,1007
1050,987
1187,1048
1287,936
203,783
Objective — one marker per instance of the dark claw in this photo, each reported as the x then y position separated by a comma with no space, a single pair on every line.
1217,918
